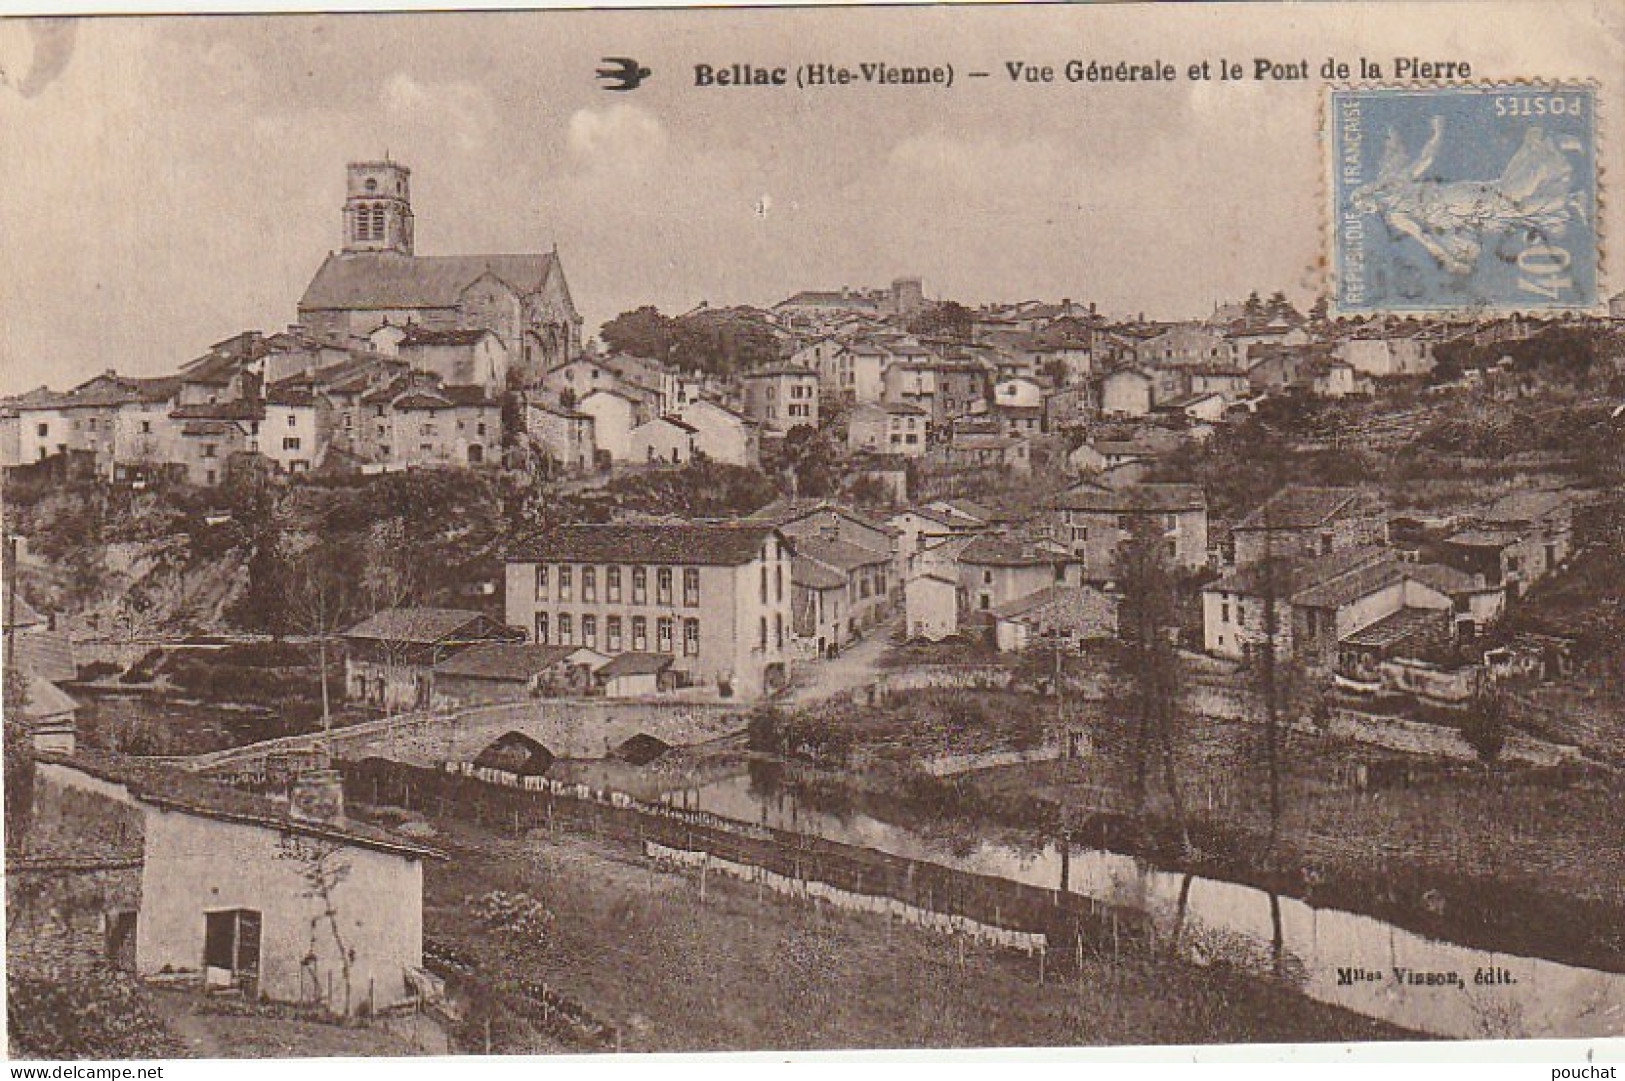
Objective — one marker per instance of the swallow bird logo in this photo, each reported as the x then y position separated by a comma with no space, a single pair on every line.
622,73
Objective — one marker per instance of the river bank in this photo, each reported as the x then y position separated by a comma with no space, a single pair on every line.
1518,860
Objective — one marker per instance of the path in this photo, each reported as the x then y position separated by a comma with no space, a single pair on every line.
858,666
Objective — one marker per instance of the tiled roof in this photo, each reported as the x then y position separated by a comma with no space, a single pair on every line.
1002,550
1132,498
694,544
241,409
390,280
774,370
1300,507
1447,579
1524,506
1350,586
171,788
1296,574
805,572
635,664
421,335
210,427
839,554
1396,627
785,511
422,626
1484,538
510,661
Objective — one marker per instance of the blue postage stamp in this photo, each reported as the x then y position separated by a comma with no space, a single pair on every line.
1469,198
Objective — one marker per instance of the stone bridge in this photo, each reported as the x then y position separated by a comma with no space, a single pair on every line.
569,727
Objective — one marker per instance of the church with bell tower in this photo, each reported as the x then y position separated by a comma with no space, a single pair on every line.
377,279
378,207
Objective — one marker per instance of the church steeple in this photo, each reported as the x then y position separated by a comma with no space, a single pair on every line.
378,207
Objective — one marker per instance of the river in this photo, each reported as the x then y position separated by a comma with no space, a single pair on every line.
1362,964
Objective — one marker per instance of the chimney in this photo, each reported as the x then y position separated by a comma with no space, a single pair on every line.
317,796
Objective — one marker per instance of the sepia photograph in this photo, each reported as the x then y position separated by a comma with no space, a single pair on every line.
791,529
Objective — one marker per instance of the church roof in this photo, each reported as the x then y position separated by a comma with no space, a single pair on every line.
363,280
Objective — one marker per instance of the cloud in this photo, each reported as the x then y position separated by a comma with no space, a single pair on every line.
458,112
619,136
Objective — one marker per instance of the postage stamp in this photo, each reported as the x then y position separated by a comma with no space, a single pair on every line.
1481,198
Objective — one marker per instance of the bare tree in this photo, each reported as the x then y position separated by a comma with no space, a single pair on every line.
1150,680
322,601
322,868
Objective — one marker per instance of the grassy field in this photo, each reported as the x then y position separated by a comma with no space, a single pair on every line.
735,971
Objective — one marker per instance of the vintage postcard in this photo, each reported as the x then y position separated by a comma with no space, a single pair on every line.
781,529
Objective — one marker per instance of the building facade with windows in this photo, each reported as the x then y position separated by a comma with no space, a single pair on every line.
714,598
781,396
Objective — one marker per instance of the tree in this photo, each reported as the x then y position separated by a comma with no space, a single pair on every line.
947,319
1485,729
1149,679
1253,307
19,761
642,332
1280,309
323,599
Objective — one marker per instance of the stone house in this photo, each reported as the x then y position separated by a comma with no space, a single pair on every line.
896,428
1062,614
390,658
780,397
1092,521
287,901
1302,521
721,434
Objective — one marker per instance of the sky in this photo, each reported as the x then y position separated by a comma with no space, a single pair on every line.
168,182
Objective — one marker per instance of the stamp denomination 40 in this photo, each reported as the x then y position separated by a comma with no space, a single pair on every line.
1471,198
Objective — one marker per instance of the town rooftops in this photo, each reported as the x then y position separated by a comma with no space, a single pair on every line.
1004,550
1301,507
419,626
370,280
170,788
785,510
1134,498
508,662
693,544
635,664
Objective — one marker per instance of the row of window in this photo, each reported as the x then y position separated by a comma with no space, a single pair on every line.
563,631
563,579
